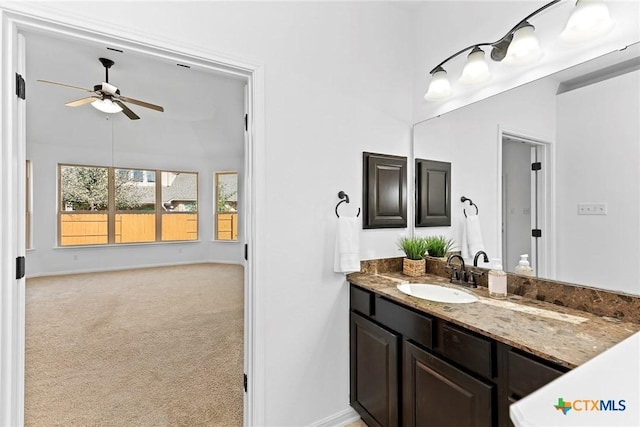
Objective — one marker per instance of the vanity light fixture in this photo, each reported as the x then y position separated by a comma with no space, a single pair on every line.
106,105
476,69
590,19
524,48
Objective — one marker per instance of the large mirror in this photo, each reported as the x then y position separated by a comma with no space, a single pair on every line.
580,131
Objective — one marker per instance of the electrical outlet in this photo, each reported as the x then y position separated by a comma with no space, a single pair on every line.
596,208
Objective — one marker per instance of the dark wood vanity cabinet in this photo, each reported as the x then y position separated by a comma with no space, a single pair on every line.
438,394
411,369
374,372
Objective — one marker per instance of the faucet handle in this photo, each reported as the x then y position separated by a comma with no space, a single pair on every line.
454,273
472,277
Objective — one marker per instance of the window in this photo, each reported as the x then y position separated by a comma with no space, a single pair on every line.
226,209
100,205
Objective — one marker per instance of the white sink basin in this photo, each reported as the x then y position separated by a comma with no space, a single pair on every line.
437,293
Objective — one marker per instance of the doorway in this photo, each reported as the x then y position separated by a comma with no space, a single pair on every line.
12,302
525,190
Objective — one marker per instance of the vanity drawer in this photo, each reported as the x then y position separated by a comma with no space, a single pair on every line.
469,350
527,375
361,301
407,322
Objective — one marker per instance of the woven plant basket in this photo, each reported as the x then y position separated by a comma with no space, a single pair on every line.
413,267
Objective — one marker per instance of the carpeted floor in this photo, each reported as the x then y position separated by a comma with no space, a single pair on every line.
147,347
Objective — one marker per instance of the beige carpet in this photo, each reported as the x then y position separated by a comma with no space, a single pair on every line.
147,347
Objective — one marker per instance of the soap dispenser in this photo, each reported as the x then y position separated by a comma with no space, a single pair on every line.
497,279
523,266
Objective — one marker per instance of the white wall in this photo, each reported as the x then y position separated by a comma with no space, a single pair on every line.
597,158
469,139
337,82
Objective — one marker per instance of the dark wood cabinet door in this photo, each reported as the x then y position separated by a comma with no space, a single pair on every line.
374,372
437,394
433,193
384,191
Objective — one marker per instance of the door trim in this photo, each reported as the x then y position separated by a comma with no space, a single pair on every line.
18,17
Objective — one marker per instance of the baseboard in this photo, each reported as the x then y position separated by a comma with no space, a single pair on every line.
339,419
135,267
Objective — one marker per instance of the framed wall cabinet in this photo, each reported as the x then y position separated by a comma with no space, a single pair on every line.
384,191
433,193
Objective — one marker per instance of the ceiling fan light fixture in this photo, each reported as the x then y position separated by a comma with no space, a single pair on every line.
588,21
476,69
439,88
106,106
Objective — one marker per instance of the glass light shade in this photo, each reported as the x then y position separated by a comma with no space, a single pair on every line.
524,48
589,20
439,88
106,106
476,70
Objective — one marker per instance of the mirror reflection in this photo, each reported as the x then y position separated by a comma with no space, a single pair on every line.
558,158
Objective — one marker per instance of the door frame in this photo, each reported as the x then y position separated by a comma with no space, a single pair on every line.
18,17
546,197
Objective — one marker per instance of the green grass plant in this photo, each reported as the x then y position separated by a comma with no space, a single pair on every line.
438,246
413,247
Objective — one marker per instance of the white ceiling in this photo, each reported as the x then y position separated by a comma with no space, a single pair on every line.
204,98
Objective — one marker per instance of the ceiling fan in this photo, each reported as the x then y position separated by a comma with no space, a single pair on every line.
106,97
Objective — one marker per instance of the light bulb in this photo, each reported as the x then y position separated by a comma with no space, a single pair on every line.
106,106
589,20
476,69
439,88
524,48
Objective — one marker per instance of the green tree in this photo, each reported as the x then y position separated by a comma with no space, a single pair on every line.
87,189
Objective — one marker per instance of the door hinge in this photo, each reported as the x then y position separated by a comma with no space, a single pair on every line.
20,267
246,122
246,252
536,166
245,383
536,232
21,87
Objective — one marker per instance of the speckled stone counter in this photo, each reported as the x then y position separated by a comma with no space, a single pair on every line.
559,334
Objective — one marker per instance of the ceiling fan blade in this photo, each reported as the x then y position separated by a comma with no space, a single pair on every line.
81,101
126,110
141,103
65,85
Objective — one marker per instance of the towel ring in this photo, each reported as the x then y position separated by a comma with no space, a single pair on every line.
345,198
465,199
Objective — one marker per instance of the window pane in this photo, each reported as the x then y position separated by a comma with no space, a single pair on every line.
179,192
135,227
132,193
179,206
83,188
226,184
83,229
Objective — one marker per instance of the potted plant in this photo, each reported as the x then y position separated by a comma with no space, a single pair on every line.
414,248
438,246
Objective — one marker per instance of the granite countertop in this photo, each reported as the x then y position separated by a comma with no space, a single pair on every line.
562,335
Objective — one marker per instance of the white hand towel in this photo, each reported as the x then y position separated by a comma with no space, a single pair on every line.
471,237
347,250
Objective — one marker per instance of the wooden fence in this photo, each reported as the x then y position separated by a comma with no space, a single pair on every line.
227,226
92,229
